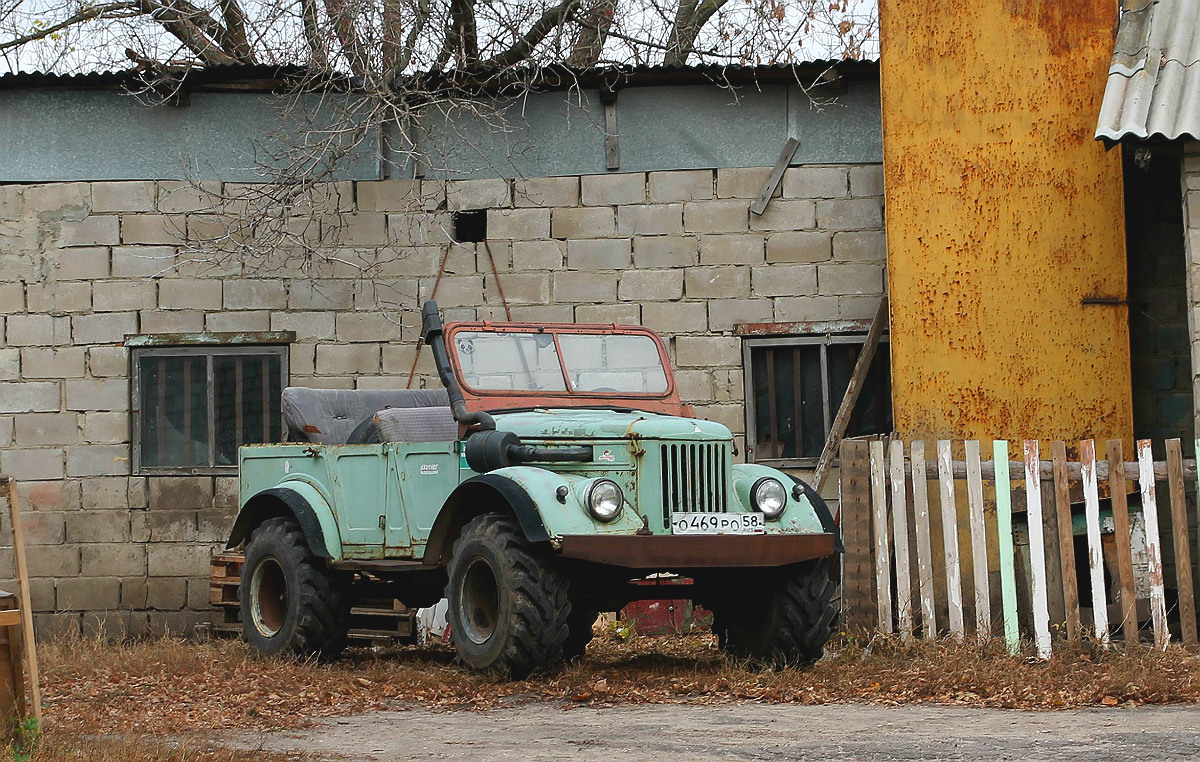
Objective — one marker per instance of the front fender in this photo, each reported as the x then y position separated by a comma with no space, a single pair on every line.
304,502
569,515
799,517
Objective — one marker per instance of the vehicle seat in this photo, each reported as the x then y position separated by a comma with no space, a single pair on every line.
424,424
327,416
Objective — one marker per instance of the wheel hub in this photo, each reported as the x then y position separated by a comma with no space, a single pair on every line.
479,601
268,597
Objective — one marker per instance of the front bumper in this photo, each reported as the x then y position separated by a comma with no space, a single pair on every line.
664,551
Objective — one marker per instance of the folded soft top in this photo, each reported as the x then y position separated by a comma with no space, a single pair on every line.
327,416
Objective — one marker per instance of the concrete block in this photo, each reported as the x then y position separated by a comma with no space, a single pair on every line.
57,627
133,593
716,216
732,249
247,294
800,309
308,326
717,282
664,251
98,394
393,295
676,317
106,428
139,493
783,280
786,214
724,314
176,623
459,291
98,460
189,294
851,214
56,495
694,385
858,307
687,185
12,299
158,229
489,193
174,493
166,593
406,231
41,594
213,525
584,287
178,560
613,190
82,263
10,364
164,526
539,255
100,493
599,254
233,322
348,358
44,528
175,197
706,351
125,295
816,182
799,247
535,313
142,261
860,246
366,326
6,430
849,279
520,224
29,330
98,230
519,288
89,593
303,359
61,329
103,559
123,197
622,314
650,219
106,625
730,416
225,495
362,229
388,195
172,321
54,560
650,285
41,429
103,328
56,197
52,362
546,191
743,182
867,180
30,397
583,222
317,294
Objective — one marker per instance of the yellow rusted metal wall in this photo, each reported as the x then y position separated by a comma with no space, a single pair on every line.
1003,215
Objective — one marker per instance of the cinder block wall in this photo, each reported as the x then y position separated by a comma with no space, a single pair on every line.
84,264
1191,221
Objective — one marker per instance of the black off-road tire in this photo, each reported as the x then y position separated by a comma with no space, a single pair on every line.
787,624
508,607
295,605
579,632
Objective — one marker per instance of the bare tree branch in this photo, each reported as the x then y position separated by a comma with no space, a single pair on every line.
524,46
87,14
689,20
595,22
466,32
234,38
341,12
185,26
312,35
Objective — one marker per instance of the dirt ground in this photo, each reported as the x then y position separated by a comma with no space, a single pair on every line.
747,731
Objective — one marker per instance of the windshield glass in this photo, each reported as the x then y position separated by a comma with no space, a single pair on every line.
595,363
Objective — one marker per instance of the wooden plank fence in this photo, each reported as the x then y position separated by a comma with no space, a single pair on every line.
886,515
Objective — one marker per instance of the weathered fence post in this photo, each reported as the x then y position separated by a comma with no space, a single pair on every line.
924,543
1008,580
855,499
1091,501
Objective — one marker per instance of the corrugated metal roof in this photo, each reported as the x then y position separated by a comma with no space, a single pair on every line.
1153,85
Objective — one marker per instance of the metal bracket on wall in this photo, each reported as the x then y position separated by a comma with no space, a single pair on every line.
612,152
781,164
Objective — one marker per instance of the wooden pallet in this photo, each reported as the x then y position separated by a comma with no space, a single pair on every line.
373,621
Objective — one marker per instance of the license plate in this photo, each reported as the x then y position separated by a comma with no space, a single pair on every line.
717,523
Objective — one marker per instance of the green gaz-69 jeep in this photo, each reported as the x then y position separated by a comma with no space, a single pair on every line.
556,470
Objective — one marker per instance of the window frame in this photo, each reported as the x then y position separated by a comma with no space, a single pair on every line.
209,351
824,340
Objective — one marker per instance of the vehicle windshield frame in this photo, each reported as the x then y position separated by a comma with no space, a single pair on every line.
555,330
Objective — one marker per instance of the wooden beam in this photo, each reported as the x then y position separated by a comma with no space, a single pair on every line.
1066,542
1183,551
1158,603
1091,499
842,420
1037,550
855,498
950,541
785,158
612,150
904,608
18,536
979,560
924,541
1120,511
879,526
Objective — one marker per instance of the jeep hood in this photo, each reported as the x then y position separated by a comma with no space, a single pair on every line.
607,424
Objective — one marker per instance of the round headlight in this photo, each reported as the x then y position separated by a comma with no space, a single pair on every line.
769,496
604,499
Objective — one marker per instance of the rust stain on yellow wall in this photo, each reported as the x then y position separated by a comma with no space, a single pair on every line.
1002,215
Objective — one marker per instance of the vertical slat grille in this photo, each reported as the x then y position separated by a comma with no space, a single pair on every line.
695,478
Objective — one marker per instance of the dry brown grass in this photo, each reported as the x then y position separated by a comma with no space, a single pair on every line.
132,696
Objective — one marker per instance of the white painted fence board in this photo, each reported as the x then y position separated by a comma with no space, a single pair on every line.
979,559
904,608
924,543
1091,501
950,538
1008,581
883,576
1037,549
1158,604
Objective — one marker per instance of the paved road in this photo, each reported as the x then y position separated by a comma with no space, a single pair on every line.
547,731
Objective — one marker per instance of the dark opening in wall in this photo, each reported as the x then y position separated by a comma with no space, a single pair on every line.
470,225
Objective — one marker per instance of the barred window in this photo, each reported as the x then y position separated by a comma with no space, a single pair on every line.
193,406
794,386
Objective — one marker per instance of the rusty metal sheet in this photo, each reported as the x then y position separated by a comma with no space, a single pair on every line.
664,552
1003,214
209,338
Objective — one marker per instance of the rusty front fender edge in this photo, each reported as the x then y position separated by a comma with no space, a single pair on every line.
661,552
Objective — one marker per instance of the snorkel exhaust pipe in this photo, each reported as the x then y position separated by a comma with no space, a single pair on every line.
431,334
